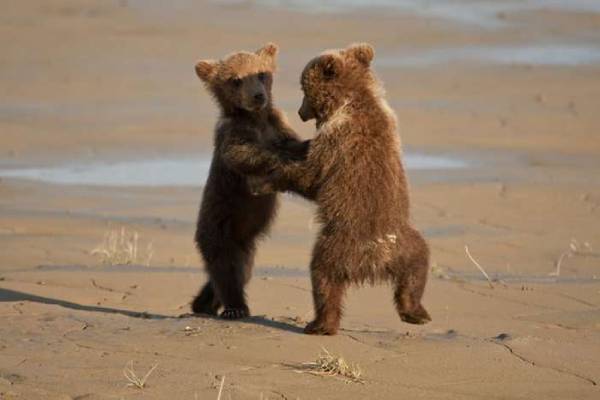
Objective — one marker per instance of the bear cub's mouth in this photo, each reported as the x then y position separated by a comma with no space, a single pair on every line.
258,102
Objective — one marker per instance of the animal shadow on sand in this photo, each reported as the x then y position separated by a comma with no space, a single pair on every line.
7,295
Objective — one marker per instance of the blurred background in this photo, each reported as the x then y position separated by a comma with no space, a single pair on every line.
106,137
107,74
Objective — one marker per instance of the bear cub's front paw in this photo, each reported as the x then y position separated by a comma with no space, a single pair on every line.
291,149
260,185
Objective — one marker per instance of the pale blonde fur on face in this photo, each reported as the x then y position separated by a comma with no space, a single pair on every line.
238,65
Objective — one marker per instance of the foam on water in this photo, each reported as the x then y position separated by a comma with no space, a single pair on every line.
170,172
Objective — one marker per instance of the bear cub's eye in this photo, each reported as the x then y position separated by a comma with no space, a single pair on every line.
262,76
236,82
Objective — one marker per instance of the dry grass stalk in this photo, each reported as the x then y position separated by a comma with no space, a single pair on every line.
575,249
149,254
119,248
221,388
479,267
329,365
132,377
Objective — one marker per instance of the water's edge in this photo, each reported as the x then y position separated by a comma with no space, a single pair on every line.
185,171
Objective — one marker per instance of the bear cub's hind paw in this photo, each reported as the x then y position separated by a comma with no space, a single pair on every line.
419,317
316,328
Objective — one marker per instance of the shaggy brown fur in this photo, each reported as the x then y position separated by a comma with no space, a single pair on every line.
231,218
354,173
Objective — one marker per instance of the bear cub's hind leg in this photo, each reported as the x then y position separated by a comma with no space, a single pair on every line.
206,302
410,281
229,275
407,297
328,298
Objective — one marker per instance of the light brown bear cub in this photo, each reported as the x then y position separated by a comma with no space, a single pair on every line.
354,173
231,217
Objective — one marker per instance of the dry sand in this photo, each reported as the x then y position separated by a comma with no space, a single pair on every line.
87,81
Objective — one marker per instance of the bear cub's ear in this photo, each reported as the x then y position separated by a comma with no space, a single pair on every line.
269,50
331,65
206,70
362,52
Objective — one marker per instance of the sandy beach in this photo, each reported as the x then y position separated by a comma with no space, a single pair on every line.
106,131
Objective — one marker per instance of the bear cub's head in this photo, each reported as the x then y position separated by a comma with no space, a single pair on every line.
334,77
242,80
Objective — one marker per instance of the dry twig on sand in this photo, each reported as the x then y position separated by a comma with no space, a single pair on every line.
132,377
329,365
479,266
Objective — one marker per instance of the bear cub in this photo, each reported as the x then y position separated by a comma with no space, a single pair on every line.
354,173
231,217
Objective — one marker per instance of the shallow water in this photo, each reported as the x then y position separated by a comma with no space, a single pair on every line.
482,13
172,172
553,55
478,13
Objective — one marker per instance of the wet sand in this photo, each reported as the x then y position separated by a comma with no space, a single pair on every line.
92,82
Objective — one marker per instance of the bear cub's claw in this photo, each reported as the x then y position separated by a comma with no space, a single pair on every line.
235,313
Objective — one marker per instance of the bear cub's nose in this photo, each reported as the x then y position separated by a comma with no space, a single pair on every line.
259,97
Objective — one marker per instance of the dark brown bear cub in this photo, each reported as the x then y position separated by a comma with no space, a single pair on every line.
354,173
231,218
